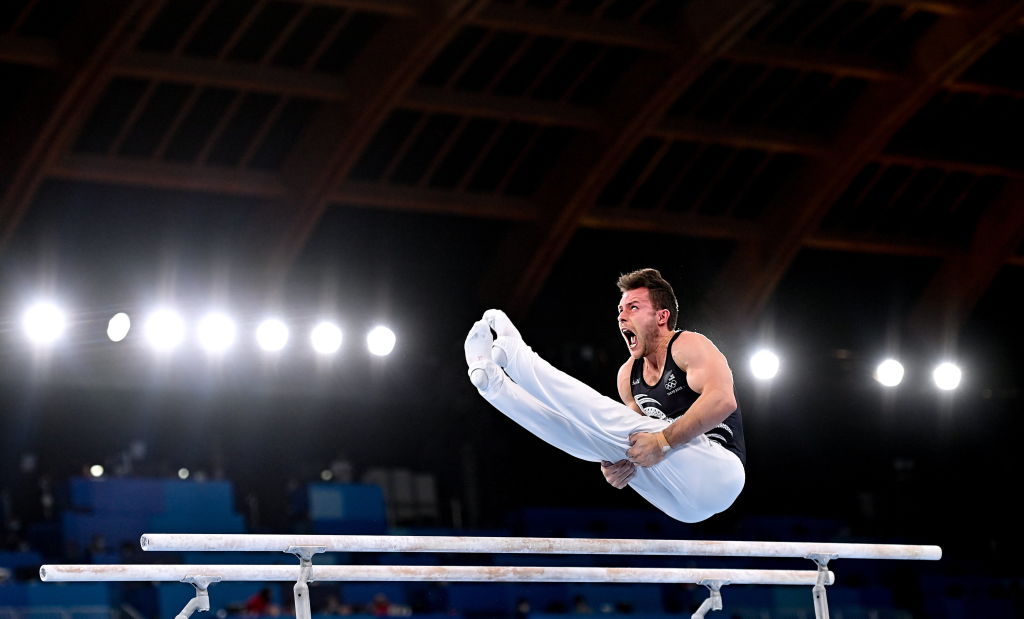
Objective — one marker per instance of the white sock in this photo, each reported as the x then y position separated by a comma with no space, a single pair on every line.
478,354
502,325
479,378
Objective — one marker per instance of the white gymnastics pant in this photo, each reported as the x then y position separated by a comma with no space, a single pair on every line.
694,482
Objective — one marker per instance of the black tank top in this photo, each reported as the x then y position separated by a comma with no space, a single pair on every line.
671,397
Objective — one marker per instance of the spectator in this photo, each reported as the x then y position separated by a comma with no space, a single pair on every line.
259,604
580,606
380,606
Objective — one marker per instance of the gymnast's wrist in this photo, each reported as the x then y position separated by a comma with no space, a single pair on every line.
663,442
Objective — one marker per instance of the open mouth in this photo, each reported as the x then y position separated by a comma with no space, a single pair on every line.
630,338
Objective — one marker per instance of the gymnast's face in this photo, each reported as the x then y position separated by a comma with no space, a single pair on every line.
639,322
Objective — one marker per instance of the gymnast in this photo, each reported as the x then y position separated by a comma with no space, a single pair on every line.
678,440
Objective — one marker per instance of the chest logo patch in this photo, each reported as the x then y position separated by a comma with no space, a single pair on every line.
670,381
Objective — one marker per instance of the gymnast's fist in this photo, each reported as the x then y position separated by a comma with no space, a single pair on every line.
646,449
618,473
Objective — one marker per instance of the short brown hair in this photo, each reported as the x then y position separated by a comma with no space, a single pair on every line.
662,295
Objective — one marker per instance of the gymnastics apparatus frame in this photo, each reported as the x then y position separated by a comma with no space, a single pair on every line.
306,546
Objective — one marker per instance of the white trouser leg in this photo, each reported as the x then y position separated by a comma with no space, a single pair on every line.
570,396
586,442
694,482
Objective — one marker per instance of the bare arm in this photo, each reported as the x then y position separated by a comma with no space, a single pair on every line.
625,392
619,473
707,373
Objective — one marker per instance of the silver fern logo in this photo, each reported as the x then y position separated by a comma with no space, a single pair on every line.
670,381
650,406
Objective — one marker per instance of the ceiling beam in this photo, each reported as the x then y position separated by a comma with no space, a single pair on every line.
964,276
379,79
42,53
640,100
169,176
924,161
53,111
392,8
514,17
244,76
691,225
852,66
876,244
947,50
529,20
266,185
827,62
417,200
519,109
951,8
743,137
31,51
541,22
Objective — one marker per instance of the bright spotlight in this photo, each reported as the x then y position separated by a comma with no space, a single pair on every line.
326,475
216,332
96,470
764,364
272,335
380,341
118,327
889,373
183,474
947,376
44,323
326,338
165,330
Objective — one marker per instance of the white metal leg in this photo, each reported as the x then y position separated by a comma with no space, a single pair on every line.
301,588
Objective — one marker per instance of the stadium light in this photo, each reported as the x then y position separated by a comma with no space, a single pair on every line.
380,341
272,335
325,338
118,327
43,323
96,470
216,332
764,364
947,376
165,330
889,373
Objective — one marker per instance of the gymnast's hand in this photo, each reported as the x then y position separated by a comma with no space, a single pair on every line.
618,473
646,449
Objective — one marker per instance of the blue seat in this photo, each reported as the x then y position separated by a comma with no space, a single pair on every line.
604,597
363,593
471,597
15,560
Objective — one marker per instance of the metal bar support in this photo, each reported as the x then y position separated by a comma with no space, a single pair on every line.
714,601
201,601
820,597
301,588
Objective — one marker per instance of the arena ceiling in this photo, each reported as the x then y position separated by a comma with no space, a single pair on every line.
565,131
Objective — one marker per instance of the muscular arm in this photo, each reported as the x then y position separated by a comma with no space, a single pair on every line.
707,373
